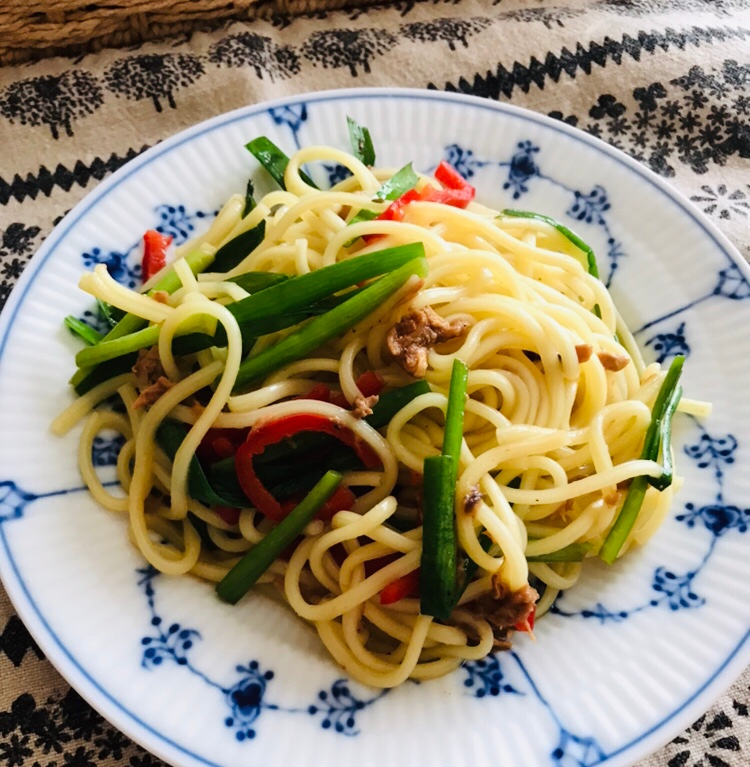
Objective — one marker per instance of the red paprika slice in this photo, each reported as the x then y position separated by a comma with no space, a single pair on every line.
457,198
457,191
228,514
218,444
450,178
405,586
271,432
155,247
370,383
395,211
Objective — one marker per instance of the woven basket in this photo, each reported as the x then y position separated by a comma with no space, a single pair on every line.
34,29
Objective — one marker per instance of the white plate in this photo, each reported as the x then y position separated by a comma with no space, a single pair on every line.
633,654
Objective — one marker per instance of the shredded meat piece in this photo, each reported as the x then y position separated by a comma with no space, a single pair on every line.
147,369
149,377
150,394
584,352
504,609
416,333
613,362
472,500
160,296
363,406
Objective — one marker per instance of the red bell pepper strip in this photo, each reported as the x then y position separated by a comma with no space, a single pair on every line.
405,586
319,392
457,191
228,514
272,432
458,198
395,211
450,178
370,383
218,444
155,247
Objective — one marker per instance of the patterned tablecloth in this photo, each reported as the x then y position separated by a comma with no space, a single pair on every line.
667,81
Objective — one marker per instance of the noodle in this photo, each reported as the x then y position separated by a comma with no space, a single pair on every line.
559,403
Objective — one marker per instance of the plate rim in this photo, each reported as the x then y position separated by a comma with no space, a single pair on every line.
61,658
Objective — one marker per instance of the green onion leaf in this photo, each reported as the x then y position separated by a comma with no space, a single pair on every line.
169,437
273,160
241,578
665,440
569,235
82,330
362,147
197,261
326,326
666,399
109,313
249,198
575,552
363,215
391,402
454,415
239,248
400,183
438,586
92,377
307,289
438,562
252,282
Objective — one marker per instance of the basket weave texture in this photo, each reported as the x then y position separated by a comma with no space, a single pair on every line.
35,29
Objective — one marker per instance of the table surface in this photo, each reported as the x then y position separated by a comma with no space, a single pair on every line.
667,81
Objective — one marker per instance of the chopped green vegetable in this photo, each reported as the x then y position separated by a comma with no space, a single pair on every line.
187,342
238,249
454,415
327,326
107,350
665,439
666,401
307,289
362,147
241,578
130,323
82,330
169,437
399,183
252,282
569,235
391,402
575,552
438,587
109,313
274,160
438,563
363,215
250,203
94,376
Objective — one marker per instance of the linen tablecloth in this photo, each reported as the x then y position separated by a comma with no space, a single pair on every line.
667,81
